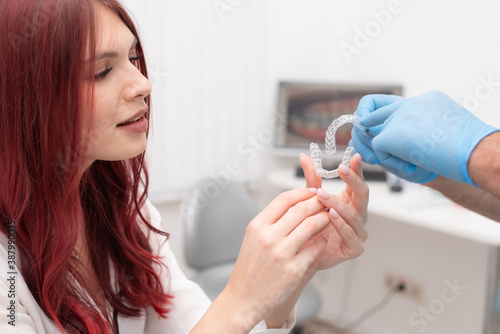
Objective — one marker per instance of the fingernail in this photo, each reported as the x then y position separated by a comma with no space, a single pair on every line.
344,170
326,236
314,190
323,193
334,214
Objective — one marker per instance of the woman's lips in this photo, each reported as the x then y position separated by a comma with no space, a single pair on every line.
136,125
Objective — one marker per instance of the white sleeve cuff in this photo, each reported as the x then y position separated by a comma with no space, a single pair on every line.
261,328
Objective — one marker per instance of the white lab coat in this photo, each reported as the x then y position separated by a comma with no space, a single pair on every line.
188,305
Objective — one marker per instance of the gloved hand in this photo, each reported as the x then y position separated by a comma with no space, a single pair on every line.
419,138
363,143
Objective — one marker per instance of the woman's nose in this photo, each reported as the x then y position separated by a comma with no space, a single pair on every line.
139,86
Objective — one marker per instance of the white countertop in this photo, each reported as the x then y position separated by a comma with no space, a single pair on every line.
416,205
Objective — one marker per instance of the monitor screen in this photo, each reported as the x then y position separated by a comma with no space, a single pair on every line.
305,111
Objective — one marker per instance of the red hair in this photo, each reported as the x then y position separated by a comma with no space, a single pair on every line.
43,186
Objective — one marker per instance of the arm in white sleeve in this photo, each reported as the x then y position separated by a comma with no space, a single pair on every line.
27,317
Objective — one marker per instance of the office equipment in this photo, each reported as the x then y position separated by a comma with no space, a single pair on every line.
306,109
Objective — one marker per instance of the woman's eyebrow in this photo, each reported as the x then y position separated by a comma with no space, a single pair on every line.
134,44
106,54
111,54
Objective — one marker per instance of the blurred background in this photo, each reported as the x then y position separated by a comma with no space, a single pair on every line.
216,69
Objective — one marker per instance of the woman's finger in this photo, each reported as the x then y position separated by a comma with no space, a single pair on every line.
356,188
354,181
310,252
352,243
304,231
297,214
280,205
312,179
356,166
348,213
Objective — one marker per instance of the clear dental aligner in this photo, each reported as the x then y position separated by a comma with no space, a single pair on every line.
330,146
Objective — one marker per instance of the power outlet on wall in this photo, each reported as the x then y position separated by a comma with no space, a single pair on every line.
405,286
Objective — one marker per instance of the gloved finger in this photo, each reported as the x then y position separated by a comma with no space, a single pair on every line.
407,171
375,130
381,156
363,149
370,103
379,116
366,138
397,164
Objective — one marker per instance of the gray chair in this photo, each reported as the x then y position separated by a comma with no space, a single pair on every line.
214,219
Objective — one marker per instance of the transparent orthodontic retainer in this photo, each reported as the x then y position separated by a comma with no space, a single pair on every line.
330,146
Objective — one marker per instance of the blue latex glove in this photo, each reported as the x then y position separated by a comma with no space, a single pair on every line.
419,138
363,143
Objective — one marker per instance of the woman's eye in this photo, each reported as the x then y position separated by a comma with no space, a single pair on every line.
100,76
135,60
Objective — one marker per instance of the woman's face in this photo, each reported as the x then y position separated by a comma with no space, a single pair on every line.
120,118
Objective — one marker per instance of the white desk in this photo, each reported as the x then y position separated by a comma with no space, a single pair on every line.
416,204
421,206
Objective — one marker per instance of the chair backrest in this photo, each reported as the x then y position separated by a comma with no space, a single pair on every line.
215,217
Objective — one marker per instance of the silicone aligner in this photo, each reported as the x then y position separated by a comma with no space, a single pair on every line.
330,147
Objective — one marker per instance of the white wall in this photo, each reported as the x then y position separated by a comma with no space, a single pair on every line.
215,79
211,98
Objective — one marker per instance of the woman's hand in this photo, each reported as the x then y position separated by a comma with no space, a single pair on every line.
276,253
348,214
292,238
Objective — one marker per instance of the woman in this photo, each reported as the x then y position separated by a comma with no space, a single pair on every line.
80,246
